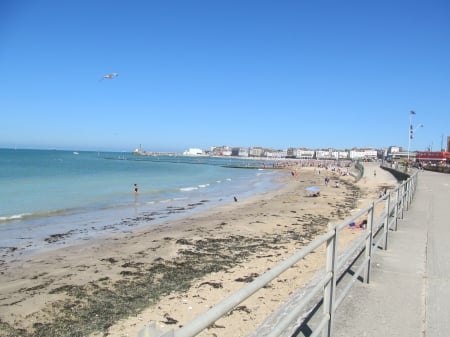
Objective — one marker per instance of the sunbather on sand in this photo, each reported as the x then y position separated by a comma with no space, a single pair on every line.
358,224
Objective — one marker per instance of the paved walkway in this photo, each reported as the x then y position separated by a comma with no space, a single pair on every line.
409,290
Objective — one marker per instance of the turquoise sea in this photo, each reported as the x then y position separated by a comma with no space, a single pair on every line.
52,197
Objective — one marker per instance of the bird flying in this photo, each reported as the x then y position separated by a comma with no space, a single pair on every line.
109,76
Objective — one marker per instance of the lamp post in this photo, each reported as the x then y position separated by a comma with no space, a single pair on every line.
411,130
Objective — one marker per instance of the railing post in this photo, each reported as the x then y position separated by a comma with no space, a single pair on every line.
413,184
330,288
406,195
386,220
407,199
369,243
397,206
411,188
404,198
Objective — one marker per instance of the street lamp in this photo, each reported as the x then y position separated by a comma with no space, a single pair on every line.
411,130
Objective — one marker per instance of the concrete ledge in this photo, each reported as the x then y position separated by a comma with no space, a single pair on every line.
399,175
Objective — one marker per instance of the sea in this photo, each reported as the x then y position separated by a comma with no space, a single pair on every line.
50,198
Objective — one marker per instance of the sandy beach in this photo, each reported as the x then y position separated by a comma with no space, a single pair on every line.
172,272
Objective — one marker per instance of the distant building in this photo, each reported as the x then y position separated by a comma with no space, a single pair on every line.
393,149
276,154
269,153
193,152
392,153
324,154
363,154
221,150
396,153
305,154
243,152
342,154
291,153
255,152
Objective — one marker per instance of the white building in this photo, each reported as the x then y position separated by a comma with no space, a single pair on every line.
278,154
363,154
243,152
255,152
304,154
325,154
393,149
342,154
221,151
193,152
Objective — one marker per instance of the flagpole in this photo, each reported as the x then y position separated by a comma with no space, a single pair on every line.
409,131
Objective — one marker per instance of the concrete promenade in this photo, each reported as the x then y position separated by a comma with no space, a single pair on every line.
409,290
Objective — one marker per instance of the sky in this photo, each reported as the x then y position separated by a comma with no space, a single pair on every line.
195,74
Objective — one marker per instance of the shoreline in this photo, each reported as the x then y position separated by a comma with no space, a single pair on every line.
175,270
45,233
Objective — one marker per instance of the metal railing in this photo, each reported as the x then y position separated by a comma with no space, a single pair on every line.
331,284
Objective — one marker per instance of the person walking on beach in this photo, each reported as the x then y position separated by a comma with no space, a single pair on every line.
136,189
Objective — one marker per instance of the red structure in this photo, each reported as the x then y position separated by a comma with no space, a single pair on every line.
433,156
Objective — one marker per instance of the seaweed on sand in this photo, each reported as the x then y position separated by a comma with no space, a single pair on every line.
95,306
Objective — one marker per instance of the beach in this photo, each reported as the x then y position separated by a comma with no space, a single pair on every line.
171,272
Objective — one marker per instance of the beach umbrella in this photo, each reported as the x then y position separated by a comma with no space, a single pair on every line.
312,189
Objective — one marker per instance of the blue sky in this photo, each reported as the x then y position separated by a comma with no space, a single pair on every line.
278,74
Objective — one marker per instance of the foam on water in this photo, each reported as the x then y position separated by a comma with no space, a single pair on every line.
47,193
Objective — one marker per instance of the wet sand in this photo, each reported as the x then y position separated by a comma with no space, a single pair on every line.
176,270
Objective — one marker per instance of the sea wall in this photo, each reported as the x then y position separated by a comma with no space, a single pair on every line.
442,169
357,171
399,175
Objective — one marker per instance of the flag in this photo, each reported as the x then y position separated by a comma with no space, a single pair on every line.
413,112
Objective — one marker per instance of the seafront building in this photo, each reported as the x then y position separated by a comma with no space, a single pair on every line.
260,152
193,152
391,154
294,153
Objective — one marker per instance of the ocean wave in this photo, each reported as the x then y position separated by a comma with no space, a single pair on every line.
27,216
187,189
15,217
